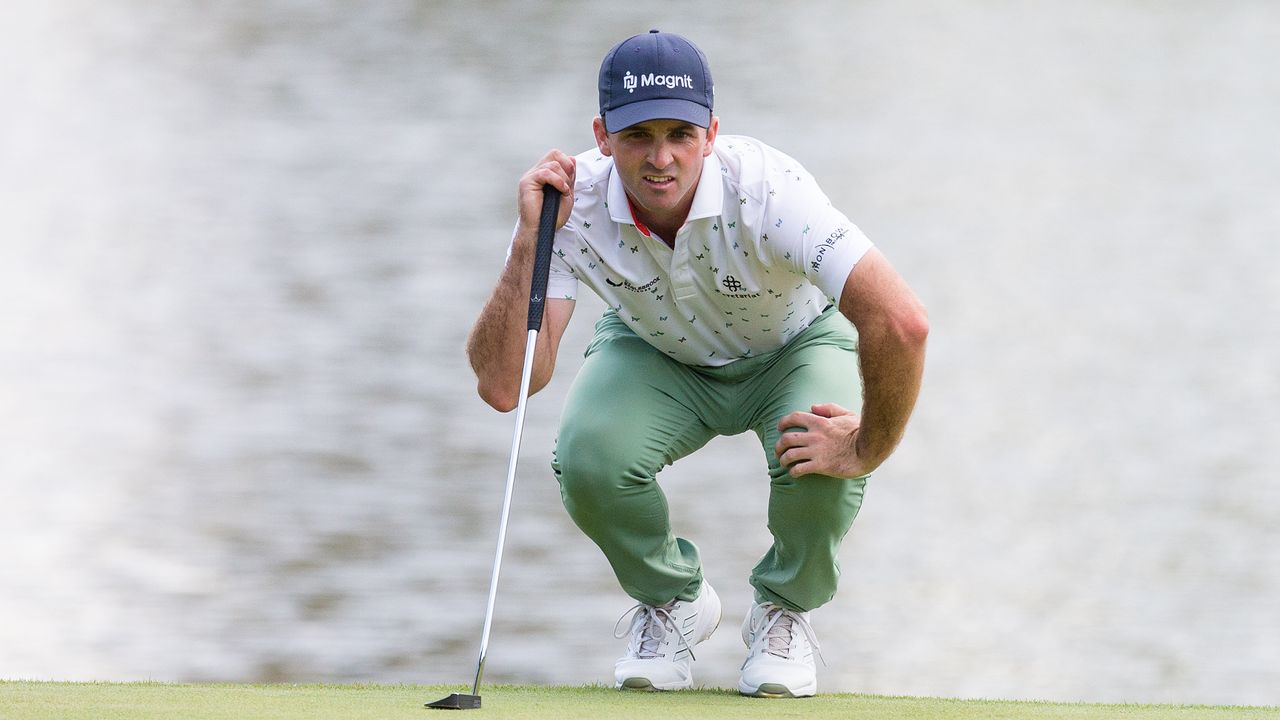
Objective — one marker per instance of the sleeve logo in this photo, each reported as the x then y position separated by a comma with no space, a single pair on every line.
826,245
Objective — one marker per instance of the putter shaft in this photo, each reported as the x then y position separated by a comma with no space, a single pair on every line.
525,374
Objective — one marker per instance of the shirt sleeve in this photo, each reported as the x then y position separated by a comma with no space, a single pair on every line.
562,281
809,235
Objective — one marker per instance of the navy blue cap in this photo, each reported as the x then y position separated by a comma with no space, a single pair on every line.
654,76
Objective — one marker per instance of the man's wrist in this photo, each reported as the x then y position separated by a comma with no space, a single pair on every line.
872,450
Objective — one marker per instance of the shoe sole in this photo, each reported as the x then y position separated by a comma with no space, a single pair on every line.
640,684
771,690
637,684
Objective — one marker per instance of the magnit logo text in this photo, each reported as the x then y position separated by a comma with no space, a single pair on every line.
630,81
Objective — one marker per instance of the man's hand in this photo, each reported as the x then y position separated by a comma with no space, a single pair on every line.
828,445
555,169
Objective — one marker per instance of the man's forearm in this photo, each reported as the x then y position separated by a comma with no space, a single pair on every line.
891,358
495,347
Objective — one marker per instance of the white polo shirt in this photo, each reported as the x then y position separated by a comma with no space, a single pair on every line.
761,254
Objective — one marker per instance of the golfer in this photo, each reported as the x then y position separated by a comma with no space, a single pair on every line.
739,299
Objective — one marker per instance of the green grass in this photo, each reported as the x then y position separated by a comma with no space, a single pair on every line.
141,701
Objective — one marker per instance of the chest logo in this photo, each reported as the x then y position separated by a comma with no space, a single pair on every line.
650,286
735,288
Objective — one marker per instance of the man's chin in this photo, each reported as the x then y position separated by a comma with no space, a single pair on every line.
659,200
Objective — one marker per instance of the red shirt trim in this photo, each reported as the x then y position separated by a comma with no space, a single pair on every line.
639,225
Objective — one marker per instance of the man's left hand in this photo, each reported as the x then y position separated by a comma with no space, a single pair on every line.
828,445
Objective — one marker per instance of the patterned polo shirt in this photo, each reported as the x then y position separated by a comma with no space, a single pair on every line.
760,256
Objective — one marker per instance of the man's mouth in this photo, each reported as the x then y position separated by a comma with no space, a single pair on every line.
659,179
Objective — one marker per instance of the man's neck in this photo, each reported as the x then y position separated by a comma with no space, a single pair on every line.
663,229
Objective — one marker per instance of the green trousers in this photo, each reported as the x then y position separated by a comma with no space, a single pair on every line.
632,411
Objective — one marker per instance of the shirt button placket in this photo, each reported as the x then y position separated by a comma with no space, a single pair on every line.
682,285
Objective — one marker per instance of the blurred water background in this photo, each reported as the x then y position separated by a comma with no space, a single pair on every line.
242,244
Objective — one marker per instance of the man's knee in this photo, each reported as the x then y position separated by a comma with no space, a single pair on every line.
592,467
816,508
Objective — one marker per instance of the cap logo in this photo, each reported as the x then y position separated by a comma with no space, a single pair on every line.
650,79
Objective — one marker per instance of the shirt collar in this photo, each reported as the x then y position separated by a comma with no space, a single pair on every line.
708,197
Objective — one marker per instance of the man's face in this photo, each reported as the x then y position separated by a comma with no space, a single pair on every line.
659,163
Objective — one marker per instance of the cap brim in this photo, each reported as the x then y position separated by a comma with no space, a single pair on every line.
659,109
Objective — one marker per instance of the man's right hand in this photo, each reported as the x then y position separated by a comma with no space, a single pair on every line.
555,169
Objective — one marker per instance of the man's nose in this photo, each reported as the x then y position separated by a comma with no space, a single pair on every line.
660,155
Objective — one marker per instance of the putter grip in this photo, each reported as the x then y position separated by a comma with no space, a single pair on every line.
542,257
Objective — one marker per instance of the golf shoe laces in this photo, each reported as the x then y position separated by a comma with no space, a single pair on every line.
773,632
648,627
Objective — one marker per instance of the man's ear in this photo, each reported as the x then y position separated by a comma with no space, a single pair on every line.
602,136
711,136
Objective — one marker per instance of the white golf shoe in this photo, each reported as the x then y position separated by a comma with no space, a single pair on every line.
661,642
780,657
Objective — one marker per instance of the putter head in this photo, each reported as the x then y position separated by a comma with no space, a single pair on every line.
456,701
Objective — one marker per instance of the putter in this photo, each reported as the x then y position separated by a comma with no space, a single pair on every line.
537,299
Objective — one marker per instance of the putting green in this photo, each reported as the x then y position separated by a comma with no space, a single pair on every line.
144,701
